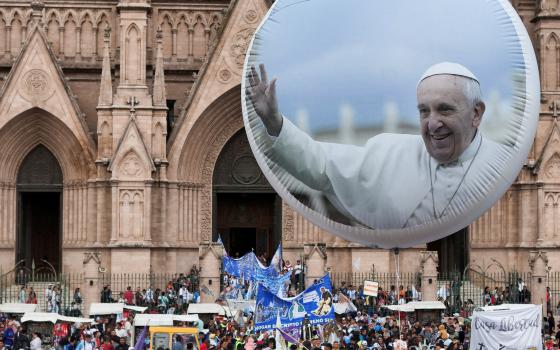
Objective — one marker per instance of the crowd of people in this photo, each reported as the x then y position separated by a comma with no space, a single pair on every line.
174,298
369,325
53,296
105,334
357,330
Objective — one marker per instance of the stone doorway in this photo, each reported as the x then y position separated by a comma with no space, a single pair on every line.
245,222
39,238
39,229
247,213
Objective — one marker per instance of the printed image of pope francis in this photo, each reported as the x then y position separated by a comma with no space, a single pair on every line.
394,181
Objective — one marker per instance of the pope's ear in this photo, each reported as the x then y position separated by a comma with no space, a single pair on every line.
479,109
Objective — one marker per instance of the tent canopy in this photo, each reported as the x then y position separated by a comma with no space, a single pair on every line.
208,308
17,308
52,318
162,319
417,305
112,308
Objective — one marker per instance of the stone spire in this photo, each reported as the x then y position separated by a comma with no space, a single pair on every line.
159,81
106,88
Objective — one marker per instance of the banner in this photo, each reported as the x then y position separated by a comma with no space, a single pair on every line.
249,268
316,302
371,288
507,327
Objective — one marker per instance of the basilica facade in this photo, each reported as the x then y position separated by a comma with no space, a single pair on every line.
123,149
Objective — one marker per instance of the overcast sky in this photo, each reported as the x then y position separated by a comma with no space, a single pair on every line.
367,53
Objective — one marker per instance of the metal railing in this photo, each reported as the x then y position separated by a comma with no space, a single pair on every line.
35,285
119,282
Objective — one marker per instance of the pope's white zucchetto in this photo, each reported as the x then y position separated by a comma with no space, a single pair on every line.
448,68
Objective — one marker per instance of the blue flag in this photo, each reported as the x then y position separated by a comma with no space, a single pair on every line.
141,339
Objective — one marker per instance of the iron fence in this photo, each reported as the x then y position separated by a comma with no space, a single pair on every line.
118,283
31,286
387,281
462,292
553,283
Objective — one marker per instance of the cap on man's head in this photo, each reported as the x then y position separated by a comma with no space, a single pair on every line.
448,68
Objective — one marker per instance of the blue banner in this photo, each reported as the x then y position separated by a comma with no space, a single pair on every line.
316,302
249,268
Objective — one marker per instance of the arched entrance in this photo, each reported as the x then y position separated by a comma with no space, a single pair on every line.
247,212
39,196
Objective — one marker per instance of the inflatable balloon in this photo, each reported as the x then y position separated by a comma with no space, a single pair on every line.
391,124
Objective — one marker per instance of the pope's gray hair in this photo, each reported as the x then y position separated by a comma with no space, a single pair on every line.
472,91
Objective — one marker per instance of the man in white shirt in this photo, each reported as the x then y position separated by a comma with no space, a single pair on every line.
394,181
48,298
121,331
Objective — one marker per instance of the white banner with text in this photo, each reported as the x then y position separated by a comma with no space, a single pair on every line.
507,327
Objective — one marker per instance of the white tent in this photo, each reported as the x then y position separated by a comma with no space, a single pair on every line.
417,305
208,308
17,308
162,319
112,308
52,318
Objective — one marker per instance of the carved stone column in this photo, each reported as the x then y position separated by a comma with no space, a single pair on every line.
538,262
428,267
91,285
210,254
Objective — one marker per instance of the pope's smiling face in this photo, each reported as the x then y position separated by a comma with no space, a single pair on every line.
448,119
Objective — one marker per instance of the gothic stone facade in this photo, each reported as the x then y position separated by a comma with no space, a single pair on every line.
122,119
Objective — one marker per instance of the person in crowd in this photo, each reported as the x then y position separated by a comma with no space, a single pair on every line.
107,345
128,296
22,297
123,345
36,343
32,296
77,297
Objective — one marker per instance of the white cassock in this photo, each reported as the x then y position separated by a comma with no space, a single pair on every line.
391,182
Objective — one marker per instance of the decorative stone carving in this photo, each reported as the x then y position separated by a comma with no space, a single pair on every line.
131,214
209,163
35,85
552,167
240,45
548,6
132,165
95,256
538,262
551,214
251,16
224,75
287,222
236,164
245,170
